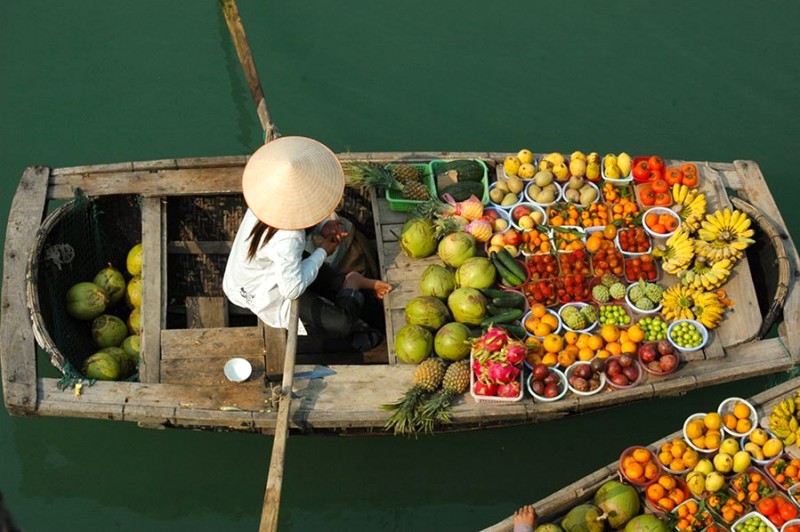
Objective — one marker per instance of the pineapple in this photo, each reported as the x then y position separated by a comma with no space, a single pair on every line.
415,190
435,409
405,173
427,378
374,175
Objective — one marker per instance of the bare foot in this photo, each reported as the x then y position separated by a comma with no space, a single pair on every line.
525,516
359,282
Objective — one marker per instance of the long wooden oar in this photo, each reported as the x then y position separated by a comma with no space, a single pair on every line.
272,494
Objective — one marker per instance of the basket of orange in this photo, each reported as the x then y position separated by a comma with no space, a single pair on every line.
725,506
691,517
677,457
784,471
639,466
739,417
666,493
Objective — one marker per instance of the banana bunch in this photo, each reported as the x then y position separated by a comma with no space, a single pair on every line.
677,252
690,205
705,274
686,302
724,234
783,420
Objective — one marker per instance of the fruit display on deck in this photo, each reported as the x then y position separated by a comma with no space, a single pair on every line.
724,473
621,252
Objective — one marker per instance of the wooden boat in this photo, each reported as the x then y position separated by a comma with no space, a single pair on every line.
185,213
553,507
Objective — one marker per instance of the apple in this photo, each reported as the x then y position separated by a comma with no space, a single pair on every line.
625,360
512,237
540,371
648,353
614,368
538,217
526,222
520,211
497,240
551,378
551,390
538,387
668,363
490,215
500,225
620,380
632,372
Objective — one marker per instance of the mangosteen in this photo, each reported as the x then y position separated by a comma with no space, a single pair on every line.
598,365
625,360
631,372
665,348
538,387
594,382
540,371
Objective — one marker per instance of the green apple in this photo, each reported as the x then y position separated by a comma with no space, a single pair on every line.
723,462
714,481
729,446
704,466
741,461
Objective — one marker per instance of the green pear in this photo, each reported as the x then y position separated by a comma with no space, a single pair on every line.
543,178
723,463
729,446
696,482
704,466
741,461
714,481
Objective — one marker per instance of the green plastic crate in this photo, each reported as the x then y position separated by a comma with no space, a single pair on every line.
395,198
485,180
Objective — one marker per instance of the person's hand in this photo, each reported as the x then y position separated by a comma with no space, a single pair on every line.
330,243
333,227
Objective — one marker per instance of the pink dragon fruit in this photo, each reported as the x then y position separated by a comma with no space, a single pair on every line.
509,389
480,369
515,352
503,373
485,386
495,339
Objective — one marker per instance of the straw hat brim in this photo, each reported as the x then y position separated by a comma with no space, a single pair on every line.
293,182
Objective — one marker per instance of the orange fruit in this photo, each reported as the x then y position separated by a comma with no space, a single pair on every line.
614,348
655,491
690,458
594,243
538,310
651,219
553,343
595,342
583,340
677,465
729,420
531,323
565,358
665,457
667,482
585,354
635,333
712,440
677,496
641,455
699,442
650,471
602,354
676,451
542,329
666,503
628,347
610,332
549,359
634,471
712,421
570,337
551,320
741,411
743,425
695,429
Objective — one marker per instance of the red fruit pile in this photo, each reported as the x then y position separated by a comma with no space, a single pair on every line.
659,357
545,382
542,291
634,240
643,267
622,370
542,266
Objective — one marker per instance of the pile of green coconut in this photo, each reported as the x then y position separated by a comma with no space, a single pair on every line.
100,302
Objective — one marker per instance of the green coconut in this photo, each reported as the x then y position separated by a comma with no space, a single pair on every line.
131,346
646,523
619,502
135,321
452,342
418,238
548,527
584,518
428,311
134,260
413,344
111,280
102,366
108,331
127,365
467,305
86,301
437,281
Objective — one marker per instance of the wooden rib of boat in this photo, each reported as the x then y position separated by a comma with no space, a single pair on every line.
553,507
186,211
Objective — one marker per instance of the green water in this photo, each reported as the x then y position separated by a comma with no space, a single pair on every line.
88,82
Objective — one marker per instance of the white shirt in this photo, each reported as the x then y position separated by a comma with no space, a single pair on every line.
276,274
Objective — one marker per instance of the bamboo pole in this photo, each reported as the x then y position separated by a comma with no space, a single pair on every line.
272,495
234,22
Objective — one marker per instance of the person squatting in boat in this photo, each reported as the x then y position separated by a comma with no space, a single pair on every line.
292,187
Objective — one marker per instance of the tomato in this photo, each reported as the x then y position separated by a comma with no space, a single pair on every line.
690,180
655,163
767,506
641,172
689,168
660,186
647,195
663,199
776,520
788,511
656,175
674,176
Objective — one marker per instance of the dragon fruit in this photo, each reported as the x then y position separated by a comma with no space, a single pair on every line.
515,352
484,386
509,389
495,339
503,373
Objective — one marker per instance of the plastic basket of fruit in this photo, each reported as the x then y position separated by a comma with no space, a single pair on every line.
643,267
542,266
526,215
653,194
612,173
541,321
569,238
658,358
639,466
614,314
541,291
546,384
695,432
794,494
577,317
725,508
623,371
792,525
633,242
536,241
753,485
494,388
398,202
784,471
507,199
583,380
739,417
687,335
461,168
542,190
661,222
762,445
666,493
753,522
644,297
691,516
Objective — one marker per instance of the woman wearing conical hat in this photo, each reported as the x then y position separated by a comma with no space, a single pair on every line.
292,185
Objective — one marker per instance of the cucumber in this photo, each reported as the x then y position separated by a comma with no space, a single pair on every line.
508,278
502,318
515,330
492,293
510,301
512,265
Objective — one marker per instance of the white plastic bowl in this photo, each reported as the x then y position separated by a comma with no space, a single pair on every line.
237,369
570,370
520,197
501,213
549,311
699,415
789,523
627,254
533,207
700,327
564,325
659,211
578,204
636,309
726,407
528,197
746,439
543,399
736,524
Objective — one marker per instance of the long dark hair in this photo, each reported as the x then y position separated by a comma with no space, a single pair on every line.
255,237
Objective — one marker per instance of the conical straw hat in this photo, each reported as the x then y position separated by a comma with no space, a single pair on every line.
293,182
